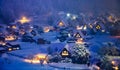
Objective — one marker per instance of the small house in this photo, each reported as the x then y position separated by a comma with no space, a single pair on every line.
61,23
65,53
77,35
38,59
10,37
33,32
46,29
99,26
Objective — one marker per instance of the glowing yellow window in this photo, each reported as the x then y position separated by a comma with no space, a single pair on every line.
61,24
98,27
65,53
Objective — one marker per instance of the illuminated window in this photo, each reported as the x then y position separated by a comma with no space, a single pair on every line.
14,27
46,29
10,38
10,49
91,26
98,27
65,53
61,23
77,35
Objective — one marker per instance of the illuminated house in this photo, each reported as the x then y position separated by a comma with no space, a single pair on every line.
12,26
78,34
79,27
99,27
79,41
61,23
46,29
38,58
65,53
112,18
10,38
13,47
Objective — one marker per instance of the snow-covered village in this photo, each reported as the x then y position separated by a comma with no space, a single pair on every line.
59,35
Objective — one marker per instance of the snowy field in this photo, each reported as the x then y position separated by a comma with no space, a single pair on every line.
16,60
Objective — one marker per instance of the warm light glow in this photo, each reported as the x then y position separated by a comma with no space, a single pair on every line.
10,49
65,53
78,27
91,26
61,24
113,62
46,29
98,27
111,18
116,68
24,20
10,38
96,67
37,59
79,41
40,56
14,27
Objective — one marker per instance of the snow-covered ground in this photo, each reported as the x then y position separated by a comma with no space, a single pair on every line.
15,60
16,63
70,66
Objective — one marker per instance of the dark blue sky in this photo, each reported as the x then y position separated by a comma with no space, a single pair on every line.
14,8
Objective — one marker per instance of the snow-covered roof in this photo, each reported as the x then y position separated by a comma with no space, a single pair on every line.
1,48
79,31
59,46
65,23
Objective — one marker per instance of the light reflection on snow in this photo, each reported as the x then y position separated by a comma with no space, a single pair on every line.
39,58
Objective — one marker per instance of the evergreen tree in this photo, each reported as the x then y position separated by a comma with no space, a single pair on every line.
80,54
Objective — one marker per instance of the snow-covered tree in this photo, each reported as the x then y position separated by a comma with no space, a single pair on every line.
80,54
80,50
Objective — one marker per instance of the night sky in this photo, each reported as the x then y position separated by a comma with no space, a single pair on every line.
12,9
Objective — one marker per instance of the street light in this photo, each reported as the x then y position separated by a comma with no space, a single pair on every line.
68,14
